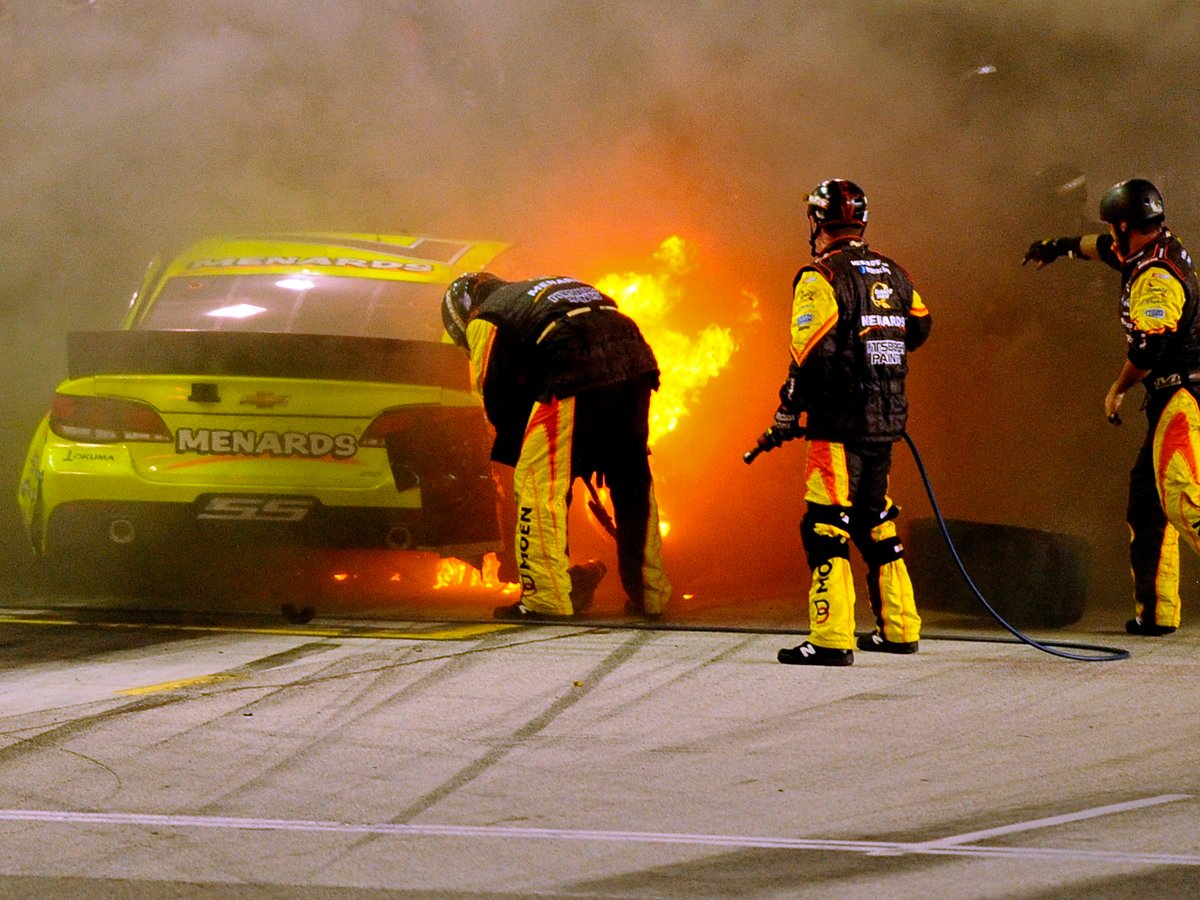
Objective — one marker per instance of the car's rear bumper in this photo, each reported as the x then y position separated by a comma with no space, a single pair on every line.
97,525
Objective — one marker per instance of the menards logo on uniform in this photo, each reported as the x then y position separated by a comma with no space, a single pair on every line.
312,444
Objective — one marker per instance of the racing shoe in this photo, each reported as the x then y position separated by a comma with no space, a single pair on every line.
519,612
1147,629
807,654
585,578
638,608
876,641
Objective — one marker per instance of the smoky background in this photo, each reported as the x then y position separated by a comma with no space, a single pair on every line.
587,132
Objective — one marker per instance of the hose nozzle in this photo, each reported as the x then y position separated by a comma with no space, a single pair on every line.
768,441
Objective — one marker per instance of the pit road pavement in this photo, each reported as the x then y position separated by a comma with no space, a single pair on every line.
246,758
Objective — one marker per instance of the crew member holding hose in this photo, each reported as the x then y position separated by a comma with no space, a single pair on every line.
855,317
1158,309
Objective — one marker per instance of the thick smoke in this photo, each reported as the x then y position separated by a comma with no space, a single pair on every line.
585,133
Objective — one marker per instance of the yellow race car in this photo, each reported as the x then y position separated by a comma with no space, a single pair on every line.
288,388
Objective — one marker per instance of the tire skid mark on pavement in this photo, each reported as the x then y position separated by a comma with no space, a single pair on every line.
624,651
489,643
693,670
453,664
151,698
54,734
263,663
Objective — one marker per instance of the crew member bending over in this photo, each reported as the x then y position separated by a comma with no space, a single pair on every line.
566,381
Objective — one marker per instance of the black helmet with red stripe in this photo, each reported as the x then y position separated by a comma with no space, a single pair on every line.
461,301
836,203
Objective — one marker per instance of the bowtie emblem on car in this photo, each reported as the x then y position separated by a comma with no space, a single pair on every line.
265,399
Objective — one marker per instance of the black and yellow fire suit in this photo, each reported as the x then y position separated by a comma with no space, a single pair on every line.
855,317
566,381
1158,310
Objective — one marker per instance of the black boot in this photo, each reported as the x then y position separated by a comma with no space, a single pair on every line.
807,654
519,612
585,578
878,642
1147,629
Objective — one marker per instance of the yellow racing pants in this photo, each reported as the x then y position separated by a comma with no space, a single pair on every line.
845,489
1164,503
601,432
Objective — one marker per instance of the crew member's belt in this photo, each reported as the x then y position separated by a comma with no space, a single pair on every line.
575,312
1175,379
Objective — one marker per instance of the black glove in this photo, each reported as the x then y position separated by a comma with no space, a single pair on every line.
790,397
784,427
1045,252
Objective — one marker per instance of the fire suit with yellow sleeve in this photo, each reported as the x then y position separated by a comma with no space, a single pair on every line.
855,317
1159,297
566,381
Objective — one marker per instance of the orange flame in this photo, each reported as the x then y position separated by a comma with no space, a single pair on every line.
689,361
454,573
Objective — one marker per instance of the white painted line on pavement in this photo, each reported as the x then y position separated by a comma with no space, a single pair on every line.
568,834
971,837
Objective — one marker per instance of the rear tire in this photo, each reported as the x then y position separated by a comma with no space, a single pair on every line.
1031,578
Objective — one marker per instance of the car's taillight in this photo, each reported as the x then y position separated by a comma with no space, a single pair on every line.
105,420
390,422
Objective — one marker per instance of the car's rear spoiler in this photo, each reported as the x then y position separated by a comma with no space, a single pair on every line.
216,353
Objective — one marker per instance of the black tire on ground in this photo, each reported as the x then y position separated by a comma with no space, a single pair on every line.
1032,578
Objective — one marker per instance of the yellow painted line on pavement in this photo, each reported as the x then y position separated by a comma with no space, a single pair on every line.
175,685
449,633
